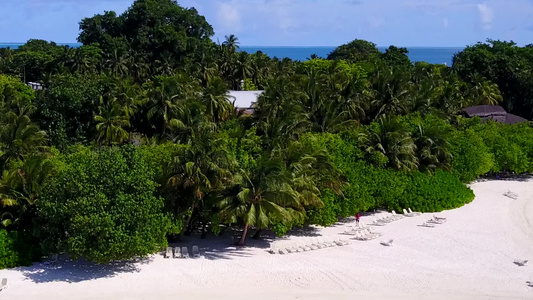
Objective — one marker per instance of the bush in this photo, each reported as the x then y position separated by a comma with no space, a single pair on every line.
371,187
18,249
471,157
102,206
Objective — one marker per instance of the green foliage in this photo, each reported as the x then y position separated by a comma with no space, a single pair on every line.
163,31
68,108
506,65
249,85
18,249
102,206
14,92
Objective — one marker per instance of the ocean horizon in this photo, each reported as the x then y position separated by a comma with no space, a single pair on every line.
434,55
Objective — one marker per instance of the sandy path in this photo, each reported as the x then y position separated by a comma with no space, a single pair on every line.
469,257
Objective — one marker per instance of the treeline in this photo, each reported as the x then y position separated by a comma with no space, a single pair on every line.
134,139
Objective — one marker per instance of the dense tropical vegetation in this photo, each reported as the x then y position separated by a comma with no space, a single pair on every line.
134,139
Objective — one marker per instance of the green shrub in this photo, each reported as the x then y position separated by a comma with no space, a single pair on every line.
17,249
102,206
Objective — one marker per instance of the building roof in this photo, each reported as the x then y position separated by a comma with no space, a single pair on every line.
493,112
485,111
244,99
512,119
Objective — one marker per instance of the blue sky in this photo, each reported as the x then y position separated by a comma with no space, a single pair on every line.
300,22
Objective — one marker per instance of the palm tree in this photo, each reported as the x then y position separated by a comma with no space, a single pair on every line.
168,98
128,94
20,187
484,92
200,168
392,92
118,63
264,195
388,143
217,100
19,136
433,148
242,68
231,43
112,123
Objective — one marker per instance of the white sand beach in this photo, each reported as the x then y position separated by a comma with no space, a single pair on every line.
468,257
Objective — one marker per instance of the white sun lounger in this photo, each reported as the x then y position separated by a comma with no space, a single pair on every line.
273,248
511,195
530,283
428,225
377,223
406,213
303,246
414,212
317,243
185,252
3,285
520,262
177,252
387,243
195,251
168,252
329,242
52,260
436,221
397,216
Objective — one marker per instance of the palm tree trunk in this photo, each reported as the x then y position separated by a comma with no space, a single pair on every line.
257,234
188,227
243,237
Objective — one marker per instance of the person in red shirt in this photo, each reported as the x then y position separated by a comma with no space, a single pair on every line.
357,217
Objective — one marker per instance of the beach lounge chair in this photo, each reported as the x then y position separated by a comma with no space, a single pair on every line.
168,252
177,252
428,225
387,243
3,285
185,252
273,248
292,247
406,213
530,283
388,218
397,216
436,221
52,260
520,262
316,243
414,212
342,242
370,235
511,195
195,251
303,246
329,242
377,223
323,242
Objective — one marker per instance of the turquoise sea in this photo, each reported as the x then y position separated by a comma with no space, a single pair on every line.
434,55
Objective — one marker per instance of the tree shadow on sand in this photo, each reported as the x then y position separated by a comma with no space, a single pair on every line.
224,246
79,270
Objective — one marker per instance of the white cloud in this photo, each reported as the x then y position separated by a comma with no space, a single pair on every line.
487,15
229,17
445,23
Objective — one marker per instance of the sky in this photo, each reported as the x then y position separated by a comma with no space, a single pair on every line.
426,23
